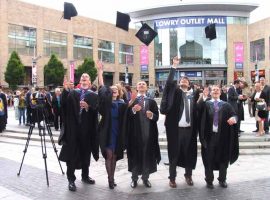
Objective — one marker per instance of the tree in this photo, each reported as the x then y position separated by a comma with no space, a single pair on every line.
88,66
54,72
15,73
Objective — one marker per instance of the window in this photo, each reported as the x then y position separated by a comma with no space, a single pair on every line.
82,47
126,54
191,44
106,51
21,39
55,43
257,50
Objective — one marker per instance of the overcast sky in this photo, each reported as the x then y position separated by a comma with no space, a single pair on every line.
105,10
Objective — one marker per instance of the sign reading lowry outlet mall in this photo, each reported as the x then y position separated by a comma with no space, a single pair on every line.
190,21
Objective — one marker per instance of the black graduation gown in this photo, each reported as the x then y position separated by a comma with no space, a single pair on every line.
171,105
80,136
104,127
228,144
3,119
135,140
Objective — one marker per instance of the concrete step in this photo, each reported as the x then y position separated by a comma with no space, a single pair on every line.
35,141
242,145
245,142
244,138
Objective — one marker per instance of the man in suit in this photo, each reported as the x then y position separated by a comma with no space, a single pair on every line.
219,137
233,98
142,137
181,126
266,90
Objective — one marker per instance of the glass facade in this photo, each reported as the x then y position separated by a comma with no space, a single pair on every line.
21,39
106,51
82,47
55,43
126,54
257,50
191,44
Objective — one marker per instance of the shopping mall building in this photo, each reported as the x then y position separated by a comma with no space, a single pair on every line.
239,45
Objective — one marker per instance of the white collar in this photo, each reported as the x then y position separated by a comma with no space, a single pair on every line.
212,100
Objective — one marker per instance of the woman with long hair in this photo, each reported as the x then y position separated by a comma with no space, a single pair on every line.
112,124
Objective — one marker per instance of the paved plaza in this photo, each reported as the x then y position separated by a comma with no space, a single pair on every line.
248,178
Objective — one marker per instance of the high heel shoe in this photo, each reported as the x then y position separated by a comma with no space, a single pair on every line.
262,133
111,185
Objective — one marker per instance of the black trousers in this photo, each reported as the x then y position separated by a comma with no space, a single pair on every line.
71,169
211,157
184,137
57,119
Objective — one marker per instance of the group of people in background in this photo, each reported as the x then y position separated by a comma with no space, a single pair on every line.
114,119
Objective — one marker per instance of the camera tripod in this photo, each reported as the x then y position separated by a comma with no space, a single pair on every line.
38,115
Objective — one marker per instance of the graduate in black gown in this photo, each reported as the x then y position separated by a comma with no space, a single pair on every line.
219,137
181,122
112,126
80,136
142,143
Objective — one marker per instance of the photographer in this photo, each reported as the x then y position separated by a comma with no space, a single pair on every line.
38,106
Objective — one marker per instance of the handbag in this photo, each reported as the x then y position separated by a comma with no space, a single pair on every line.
261,106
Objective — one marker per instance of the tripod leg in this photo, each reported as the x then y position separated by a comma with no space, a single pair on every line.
54,146
44,152
26,146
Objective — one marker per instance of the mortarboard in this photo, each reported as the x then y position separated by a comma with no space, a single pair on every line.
146,34
122,20
210,31
69,11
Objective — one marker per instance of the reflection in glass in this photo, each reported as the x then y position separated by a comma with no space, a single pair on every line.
21,39
126,54
82,47
190,43
106,51
55,43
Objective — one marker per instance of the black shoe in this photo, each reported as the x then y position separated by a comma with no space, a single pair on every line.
223,184
71,186
210,185
133,184
147,183
240,131
189,180
111,185
255,131
88,180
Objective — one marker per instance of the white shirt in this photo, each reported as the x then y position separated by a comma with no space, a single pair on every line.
257,95
183,122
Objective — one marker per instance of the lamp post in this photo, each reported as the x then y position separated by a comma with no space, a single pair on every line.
34,67
126,72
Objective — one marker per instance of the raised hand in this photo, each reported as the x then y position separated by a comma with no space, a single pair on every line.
176,61
99,66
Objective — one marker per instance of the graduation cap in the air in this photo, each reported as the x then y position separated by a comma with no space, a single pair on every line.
210,31
122,20
146,34
69,11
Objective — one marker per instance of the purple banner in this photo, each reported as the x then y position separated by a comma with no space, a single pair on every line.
239,52
144,59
